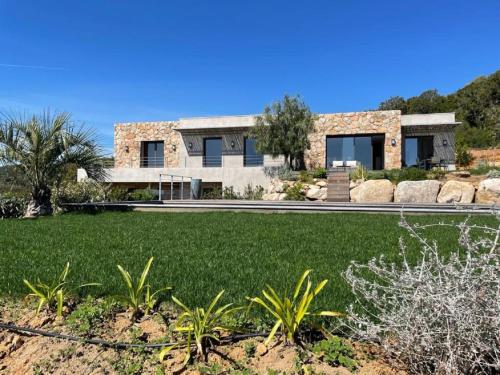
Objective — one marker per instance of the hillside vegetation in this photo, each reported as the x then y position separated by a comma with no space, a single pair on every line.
477,105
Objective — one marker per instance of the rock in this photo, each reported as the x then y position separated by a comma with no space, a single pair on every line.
261,349
456,192
425,191
313,193
279,187
355,183
271,197
321,183
282,196
324,194
376,191
488,191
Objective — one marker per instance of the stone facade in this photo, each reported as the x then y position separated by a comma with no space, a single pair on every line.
352,123
129,136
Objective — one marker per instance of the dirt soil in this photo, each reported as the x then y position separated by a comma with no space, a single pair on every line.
30,354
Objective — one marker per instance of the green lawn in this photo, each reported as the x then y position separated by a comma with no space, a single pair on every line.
201,253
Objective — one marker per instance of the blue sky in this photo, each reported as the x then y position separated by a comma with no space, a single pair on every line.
114,61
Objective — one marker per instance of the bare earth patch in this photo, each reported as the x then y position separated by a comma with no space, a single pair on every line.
30,354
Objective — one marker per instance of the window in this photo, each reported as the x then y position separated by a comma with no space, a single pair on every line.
418,151
152,154
212,152
251,157
364,149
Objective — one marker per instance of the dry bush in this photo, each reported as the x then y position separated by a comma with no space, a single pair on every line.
440,314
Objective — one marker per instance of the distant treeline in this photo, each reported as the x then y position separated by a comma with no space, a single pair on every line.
477,106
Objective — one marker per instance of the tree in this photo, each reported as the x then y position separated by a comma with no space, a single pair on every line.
394,103
477,106
41,147
283,129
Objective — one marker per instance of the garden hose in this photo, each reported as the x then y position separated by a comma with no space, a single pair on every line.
115,345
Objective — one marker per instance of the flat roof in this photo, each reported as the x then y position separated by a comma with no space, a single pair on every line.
429,119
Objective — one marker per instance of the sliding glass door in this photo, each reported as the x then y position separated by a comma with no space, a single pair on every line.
362,149
418,151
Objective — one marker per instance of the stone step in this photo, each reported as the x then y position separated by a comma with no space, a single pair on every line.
338,187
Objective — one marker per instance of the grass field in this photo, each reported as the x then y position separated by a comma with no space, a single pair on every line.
201,253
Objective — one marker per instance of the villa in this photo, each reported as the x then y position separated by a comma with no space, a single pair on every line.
217,150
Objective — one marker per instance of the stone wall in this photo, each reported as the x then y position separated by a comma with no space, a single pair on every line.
351,123
128,138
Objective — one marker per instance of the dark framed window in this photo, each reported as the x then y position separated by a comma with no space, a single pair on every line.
418,151
367,150
212,152
251,158
152,154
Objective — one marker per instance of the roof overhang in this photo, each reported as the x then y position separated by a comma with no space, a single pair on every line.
429,120
215,123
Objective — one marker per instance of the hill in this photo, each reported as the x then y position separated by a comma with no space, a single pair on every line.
477,105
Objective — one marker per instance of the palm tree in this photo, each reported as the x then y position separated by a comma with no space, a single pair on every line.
41,146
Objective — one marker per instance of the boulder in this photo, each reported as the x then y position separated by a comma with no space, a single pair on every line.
488,191
425,191
279,187
456,192
321,183
355,183
317,193
376,191
313,193
271,197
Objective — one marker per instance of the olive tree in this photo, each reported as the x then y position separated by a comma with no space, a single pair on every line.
283,129
41,147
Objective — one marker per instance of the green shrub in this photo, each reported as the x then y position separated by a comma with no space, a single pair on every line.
494,173
483,169
214,192
290,310
305,176
54,294
406,174
79,192
282,172
295,192
336,352
359,173
201,325
139,296
11,206
376,175
463,157
251,193
229,193
436,174
117,194
141,195
319,173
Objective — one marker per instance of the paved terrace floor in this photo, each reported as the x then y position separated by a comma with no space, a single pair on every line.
292,206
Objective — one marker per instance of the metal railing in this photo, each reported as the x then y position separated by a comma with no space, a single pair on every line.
212,161
253,160
172,181
151,162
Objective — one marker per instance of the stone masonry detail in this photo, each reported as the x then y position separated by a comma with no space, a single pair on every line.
351,123
128,138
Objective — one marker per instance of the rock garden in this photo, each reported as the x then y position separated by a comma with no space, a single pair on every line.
399,186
